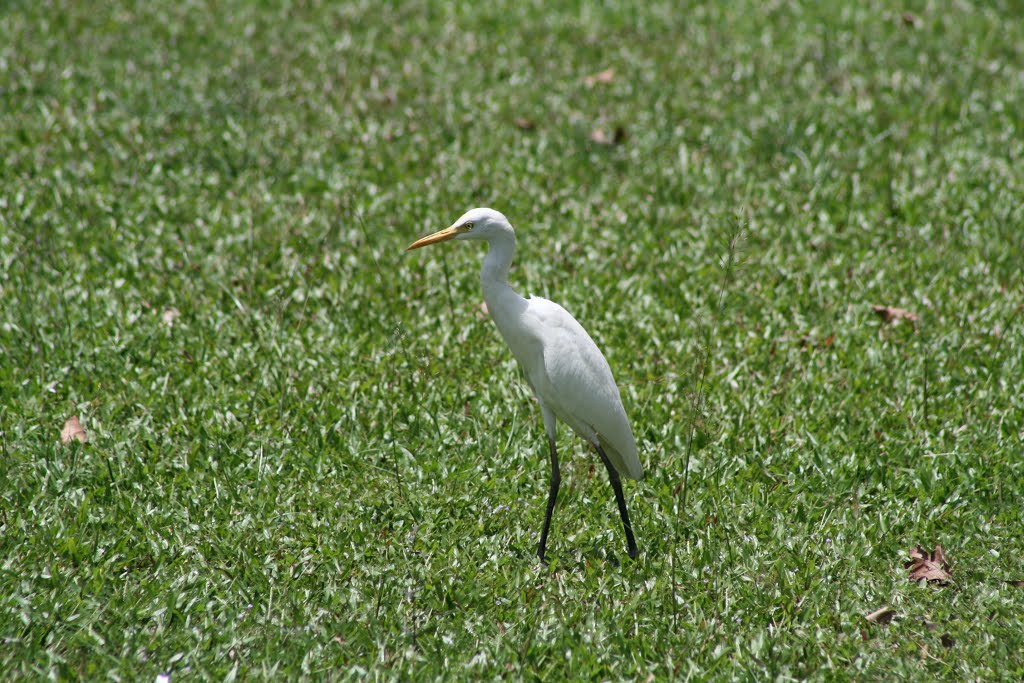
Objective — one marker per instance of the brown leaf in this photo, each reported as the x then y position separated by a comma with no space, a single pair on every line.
524,123
889,313
602,137
606,76
1017,583
947,640
482,311
909,20
466,410
73,429
881,616
932,567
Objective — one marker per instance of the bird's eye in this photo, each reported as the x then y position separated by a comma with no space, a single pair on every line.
469,225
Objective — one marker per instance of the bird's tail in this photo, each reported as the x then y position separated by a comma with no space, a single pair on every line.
627,463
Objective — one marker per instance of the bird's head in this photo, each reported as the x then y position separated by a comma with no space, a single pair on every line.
475,224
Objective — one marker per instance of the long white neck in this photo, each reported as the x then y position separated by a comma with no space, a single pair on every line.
494,272
503,303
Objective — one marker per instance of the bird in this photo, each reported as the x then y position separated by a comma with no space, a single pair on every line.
567,372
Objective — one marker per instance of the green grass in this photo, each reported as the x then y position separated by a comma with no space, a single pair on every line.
329,463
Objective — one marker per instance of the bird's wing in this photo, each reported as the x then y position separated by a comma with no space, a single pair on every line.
575,382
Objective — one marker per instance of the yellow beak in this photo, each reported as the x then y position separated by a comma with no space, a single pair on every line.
439,236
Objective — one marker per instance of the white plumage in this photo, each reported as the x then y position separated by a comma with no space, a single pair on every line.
569,376
567,372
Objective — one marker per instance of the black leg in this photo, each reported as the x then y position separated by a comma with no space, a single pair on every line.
617,486
556,479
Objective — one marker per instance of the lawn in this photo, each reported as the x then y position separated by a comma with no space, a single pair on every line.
310,454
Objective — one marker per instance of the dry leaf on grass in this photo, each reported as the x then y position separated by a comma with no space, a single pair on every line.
890,313
603,137
169,315
606,76
73,429
881,616
925,566
482,311
524,124
807,341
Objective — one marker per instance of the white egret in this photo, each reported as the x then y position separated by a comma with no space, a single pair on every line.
567,372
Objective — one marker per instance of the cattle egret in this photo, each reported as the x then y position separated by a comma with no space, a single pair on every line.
567,372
